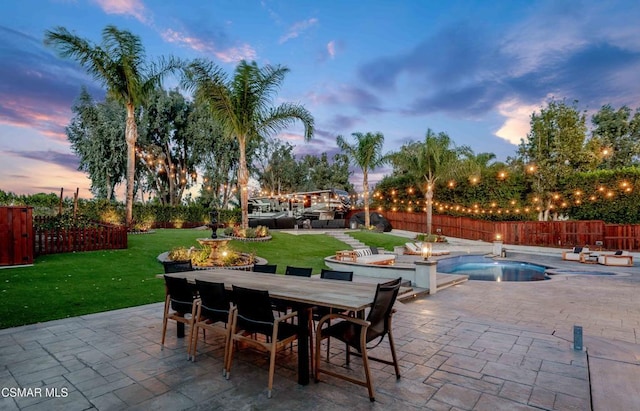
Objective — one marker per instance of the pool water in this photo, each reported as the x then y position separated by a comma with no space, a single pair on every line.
478,267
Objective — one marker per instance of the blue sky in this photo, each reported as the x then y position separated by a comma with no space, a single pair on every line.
474,69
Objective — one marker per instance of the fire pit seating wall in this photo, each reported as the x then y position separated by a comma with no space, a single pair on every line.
372,256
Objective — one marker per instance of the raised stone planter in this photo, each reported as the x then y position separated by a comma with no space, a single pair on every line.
246,239
164,257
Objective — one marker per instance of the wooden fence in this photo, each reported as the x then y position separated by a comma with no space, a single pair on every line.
98,237
16,236
537,233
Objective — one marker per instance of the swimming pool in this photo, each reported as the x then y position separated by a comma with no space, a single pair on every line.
478,267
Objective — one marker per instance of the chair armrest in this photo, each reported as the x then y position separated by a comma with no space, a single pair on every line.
286,317
354,320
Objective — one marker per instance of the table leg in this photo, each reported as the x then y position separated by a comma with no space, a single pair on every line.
180,330
303,345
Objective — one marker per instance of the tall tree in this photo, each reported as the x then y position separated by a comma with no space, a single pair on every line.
277,167
366,153
555,147
168,144
219,162
618,132
243,108
429,161
119,63
96,134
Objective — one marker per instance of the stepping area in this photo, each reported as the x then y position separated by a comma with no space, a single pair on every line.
473,346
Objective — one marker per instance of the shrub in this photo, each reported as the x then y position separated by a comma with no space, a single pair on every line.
236,231
180,254
431,238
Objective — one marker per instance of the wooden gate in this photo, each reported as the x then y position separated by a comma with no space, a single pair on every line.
16,235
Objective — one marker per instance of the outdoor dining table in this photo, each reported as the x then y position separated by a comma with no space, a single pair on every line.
299,292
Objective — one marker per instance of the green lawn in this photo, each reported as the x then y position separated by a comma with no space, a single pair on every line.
67,285
387,241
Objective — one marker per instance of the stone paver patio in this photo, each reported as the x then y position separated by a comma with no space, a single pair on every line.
474,346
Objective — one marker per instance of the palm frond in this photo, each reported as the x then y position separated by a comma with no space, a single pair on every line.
285,115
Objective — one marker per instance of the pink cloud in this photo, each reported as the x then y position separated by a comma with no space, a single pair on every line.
22,113
331,48
228,55
27,176
297,28
133,8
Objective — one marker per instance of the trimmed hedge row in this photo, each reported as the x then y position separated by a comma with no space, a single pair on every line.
147,216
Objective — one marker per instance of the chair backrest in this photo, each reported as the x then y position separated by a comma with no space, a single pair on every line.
180,294
336,275
215,300
298,271
265,268
254,310
397,281
177,266
380,312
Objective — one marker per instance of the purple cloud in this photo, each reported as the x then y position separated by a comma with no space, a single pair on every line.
69,161
37,88
467,71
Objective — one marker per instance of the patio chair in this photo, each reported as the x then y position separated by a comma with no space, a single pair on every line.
298,271
319,312
177,266
253,318
212,309
357,333
336,275
265,268
181,298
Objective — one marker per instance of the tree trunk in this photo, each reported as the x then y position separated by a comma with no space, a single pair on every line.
365,198
243,181
109,188
131,136
429,197
172,175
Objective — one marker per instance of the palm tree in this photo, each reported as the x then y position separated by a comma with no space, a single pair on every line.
434,159
119,64
242,106
365,153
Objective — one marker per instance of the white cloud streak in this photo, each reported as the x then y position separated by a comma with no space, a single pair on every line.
228,55
297,29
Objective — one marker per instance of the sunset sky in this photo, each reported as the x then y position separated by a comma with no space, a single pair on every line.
474,69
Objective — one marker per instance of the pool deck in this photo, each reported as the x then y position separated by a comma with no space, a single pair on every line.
473,346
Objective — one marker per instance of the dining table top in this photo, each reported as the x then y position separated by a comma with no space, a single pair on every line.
341,295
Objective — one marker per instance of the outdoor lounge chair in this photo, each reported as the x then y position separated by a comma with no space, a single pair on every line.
412,249
620,258
575,254
357,333
416,249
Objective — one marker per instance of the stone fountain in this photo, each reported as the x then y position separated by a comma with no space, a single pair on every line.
216,255
216,244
